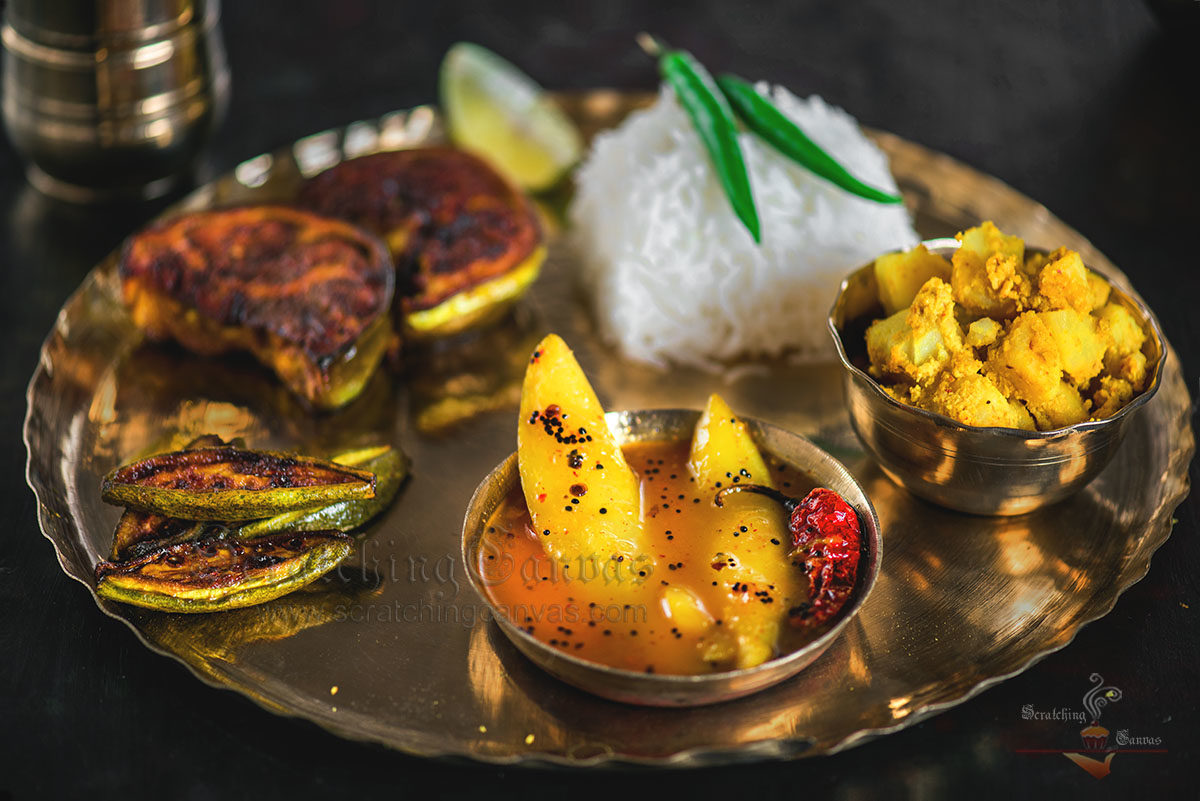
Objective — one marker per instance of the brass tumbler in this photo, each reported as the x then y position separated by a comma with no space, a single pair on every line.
112,98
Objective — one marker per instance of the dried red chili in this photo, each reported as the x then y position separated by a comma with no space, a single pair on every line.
826,542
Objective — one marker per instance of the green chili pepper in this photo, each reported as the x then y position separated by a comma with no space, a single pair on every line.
782,134
714,122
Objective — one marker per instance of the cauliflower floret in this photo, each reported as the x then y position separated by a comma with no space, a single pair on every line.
1025,363
1063,284
988,273
917,342
1112,394
1063,407
901,275
1080,346
983,332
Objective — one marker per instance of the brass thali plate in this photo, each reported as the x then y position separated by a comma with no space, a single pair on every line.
961,603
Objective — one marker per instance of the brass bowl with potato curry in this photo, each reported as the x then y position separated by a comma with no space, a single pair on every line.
989,377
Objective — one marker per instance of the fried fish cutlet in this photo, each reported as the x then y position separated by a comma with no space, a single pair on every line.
309,296
466,243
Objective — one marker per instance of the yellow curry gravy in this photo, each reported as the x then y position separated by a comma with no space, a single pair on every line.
618,617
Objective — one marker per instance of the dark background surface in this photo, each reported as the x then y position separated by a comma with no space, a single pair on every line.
1089,107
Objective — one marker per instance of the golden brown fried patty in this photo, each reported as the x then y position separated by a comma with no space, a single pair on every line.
450,220
299,290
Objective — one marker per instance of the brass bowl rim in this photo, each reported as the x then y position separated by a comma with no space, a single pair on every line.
669,682
944,246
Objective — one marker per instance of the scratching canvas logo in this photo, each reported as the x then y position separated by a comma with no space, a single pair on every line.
1100,746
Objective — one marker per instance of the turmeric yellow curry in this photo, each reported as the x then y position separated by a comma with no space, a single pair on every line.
996,337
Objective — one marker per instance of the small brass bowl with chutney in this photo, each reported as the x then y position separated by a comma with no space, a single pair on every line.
547,616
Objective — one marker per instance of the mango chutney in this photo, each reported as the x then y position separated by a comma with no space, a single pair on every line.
619,611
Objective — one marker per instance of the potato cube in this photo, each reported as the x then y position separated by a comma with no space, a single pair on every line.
1025,363
1063,283
975,400
987,273
883,336
1100,289
686,611
983,332
985,239
1063,407
1120,329
901,275
1080,346
917,342
1131,367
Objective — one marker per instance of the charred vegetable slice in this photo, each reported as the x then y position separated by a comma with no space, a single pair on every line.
478,305
232,484
139,532
308,295
219,573
466,243
390,467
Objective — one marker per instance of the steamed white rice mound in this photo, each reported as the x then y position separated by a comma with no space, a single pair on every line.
674,276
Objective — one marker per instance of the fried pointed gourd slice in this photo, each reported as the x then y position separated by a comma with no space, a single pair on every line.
231,484
390,467
309,296
138,532
466,242
583,497
477,306
218,573
750,538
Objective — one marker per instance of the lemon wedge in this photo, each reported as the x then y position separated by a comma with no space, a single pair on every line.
501,114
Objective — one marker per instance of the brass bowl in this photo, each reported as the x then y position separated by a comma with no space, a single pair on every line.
974,469
654,689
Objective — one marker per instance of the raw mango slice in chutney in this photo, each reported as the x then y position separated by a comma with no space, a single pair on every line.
583,498
749,538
